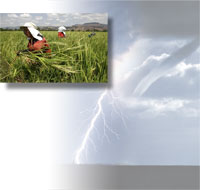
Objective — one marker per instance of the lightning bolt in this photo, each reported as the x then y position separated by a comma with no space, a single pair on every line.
144,81
91,127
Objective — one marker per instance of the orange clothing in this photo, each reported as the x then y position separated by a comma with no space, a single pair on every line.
61,35
38,45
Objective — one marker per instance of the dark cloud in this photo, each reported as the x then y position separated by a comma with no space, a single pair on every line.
155,19
171,19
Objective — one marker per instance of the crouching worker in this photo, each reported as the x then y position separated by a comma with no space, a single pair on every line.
61,33
36,42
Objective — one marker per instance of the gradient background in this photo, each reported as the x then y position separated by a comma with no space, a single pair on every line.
154,79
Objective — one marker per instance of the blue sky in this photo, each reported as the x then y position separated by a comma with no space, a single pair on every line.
51,19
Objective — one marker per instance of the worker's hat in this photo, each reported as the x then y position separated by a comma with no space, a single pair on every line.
61,29
33,30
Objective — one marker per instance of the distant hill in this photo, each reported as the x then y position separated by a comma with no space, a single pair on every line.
10,28
92,26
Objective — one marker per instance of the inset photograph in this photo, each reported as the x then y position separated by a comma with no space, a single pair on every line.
54,48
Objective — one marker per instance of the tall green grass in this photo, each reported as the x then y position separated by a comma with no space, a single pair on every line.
74,59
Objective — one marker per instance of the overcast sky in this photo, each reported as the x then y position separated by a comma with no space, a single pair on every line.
51,19
150,114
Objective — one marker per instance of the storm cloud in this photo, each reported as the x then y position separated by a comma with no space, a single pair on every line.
154,55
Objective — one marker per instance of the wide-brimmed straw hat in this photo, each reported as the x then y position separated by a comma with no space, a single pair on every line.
33,30
61,29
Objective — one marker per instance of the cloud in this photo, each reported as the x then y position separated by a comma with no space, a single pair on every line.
165,66
38,17
158,75
25,15
151,124
12,16
182,82
138,81
54,19
150,108
52,14
77,18
182,68
94,17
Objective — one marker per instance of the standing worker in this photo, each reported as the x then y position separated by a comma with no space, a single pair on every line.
36,41
61,33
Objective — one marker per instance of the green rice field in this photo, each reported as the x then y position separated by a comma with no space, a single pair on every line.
74,59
